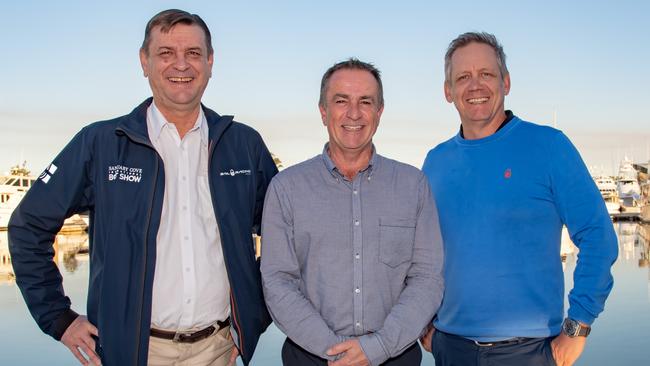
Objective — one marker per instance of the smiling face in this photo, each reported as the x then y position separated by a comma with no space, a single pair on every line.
477,89
178,66
351,112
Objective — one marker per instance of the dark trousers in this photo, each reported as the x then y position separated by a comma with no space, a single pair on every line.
453,350
294,355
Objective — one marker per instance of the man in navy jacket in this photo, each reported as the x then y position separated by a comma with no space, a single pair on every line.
174,192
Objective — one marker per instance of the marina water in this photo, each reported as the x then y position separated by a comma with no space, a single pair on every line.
621,335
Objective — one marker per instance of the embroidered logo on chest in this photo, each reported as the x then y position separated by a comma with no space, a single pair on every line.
124,173
233,172
507,173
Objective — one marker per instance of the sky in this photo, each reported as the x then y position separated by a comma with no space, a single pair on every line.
66,64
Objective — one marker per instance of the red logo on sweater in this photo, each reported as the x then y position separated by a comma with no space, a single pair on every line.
507,174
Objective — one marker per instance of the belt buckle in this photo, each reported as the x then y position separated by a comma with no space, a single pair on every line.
484,344
178,337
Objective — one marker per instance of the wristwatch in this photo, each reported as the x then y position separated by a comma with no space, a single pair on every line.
573,328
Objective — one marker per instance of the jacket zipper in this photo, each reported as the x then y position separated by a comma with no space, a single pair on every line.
146,236
233,303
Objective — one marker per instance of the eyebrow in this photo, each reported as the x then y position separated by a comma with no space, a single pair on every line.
345,96
187,49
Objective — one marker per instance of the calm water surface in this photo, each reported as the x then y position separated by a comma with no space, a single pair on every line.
621,336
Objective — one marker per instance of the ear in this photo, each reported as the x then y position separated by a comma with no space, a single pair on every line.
379,112
506,84
144,63
447,88
210,63
323,113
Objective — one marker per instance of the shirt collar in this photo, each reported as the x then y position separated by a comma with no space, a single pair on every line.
331,167
158,122
509,116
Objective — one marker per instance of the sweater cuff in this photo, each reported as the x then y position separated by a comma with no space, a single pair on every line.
374,349
62,323
577,313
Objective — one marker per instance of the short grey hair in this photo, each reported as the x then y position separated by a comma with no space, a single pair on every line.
351,64
476,37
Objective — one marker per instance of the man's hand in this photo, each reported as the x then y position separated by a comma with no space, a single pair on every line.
353,354
425,340
234,353
78,338
566,350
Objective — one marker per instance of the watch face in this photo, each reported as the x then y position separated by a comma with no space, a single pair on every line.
570,327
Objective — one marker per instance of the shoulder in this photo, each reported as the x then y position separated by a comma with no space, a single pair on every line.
399,167
536,132
300,171
99,130
245,130
438,152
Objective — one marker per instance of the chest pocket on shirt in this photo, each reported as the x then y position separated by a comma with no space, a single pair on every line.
396,237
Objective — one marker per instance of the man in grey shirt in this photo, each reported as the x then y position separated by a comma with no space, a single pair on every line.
351,252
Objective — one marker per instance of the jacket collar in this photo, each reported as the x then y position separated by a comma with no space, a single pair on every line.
134,125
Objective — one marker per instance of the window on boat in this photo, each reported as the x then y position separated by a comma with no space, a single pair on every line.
14,182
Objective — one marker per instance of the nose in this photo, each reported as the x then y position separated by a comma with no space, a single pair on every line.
475,83
180,63
354,112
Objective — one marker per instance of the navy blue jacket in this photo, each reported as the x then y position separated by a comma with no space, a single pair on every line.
125,216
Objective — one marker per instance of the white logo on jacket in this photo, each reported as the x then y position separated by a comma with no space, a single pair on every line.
124,173
233,172
48,173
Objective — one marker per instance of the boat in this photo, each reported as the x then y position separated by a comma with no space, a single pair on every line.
629,191
14,186
609,192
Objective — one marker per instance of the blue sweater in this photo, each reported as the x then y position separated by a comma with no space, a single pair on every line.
502,202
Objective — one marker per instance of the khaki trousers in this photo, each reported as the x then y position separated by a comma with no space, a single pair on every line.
212,351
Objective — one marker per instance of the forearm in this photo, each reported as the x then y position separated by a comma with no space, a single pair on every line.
294,315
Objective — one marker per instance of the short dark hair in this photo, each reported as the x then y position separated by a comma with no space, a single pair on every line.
477,37
351,64
167,19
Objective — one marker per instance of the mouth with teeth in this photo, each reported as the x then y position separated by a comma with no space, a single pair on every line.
352,128
477,100
180,80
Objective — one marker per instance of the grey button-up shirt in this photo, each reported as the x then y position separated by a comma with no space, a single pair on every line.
351,259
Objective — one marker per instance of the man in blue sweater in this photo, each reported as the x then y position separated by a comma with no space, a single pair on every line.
504,189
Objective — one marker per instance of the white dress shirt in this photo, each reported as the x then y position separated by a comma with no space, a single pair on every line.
190,286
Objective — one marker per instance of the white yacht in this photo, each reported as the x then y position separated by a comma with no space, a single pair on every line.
629,191
609,191
13,187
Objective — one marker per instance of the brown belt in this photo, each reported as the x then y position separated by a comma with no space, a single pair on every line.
190,337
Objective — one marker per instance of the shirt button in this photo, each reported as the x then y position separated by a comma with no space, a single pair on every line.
356,222
357,290
188,301
358,325
357,256
184,178
187,269
186,237
184,207
355,191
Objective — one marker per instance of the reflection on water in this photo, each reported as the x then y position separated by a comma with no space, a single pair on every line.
66,249
621,335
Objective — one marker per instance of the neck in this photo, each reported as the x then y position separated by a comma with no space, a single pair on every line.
184,120
473,130
349,163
